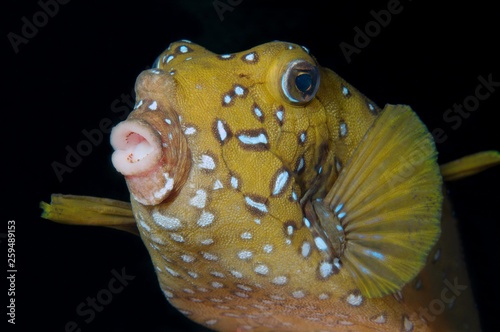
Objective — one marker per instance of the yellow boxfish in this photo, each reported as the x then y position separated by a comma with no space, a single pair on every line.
273,196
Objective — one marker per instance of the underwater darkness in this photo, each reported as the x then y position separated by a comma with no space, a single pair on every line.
74,71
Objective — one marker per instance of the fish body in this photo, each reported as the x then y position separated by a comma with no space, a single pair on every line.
272,195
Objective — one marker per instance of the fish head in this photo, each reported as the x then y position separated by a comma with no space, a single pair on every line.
250,113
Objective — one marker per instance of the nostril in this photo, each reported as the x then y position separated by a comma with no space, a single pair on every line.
137,147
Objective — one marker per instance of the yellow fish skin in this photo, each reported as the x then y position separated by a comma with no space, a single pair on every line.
273,196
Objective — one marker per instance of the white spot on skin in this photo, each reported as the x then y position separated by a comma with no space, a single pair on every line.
241,294
237,274
217,274
343,129
225,56
279,115
301,164
221,130
183,49
199,200
145,226
281,181
207,242
218,185
246,236
257,221
253,140
437,255
153,106
298,294
234,182
189,130
138,104
211,321
325,269
345,91
217,284
289,230
169,185
209,257
337,264
341,215
168,294
193,275
206,219
177,237
371,107
207,162
345,322
320,243
261,269
323,296
169,58
189,291
245,255
157,239
303,137
408,325
259,206
172,272
257,112
306,249
227,99
338,208
354,299
250,57
268,248
280,280
244,287
166,222
239,90
294,196
379,319
168,121
216,300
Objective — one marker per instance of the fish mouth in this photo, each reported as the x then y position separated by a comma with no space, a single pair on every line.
151,152
138,148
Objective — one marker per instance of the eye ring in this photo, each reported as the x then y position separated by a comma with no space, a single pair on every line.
300,81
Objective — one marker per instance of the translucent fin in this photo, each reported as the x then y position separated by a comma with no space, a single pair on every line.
470,165
90,211
388,201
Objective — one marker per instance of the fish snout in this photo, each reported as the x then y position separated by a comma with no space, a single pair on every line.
150,148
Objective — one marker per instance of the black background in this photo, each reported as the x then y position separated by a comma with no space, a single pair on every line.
67,76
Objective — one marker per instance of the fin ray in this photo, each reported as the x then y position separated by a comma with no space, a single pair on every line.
388,201
90,211
470,165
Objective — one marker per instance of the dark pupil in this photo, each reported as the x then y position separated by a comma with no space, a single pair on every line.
303,82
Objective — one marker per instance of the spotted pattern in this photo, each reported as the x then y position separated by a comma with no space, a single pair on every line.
232,247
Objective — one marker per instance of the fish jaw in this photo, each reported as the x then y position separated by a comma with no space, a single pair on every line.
150,148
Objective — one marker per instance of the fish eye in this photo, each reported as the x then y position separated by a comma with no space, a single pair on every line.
300,81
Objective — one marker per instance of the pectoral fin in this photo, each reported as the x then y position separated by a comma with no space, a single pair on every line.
90,211
388,202
470,165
